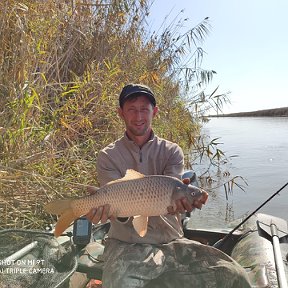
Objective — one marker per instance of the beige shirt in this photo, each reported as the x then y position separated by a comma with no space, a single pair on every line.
156,157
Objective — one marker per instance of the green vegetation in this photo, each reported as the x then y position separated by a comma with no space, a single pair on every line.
63,65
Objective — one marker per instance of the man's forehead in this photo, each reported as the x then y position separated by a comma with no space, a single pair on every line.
139,98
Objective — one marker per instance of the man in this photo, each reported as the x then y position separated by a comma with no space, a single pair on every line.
162,258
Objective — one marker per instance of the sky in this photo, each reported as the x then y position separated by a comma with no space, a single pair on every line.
247,46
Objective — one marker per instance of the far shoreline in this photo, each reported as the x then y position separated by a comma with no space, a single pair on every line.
276,112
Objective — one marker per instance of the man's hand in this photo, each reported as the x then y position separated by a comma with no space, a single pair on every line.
183,205
99,214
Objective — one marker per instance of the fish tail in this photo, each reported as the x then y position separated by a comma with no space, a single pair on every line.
64,209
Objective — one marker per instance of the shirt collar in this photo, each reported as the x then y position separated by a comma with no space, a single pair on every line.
128,140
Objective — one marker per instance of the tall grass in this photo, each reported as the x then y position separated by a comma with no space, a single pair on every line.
63,65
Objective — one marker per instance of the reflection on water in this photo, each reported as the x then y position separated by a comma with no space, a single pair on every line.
261,146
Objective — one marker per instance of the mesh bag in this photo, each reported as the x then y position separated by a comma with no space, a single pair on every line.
43,261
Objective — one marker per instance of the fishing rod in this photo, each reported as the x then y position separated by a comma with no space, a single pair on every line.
220,243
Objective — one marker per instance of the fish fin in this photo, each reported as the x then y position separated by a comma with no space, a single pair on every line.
63,208
130,175
140,224
64,221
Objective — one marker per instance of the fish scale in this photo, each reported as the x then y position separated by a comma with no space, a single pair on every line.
133,195
147,196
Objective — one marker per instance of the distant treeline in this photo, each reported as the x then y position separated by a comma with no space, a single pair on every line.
277,112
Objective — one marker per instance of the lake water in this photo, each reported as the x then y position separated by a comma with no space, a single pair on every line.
261,146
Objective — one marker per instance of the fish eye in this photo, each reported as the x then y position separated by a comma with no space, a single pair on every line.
193,193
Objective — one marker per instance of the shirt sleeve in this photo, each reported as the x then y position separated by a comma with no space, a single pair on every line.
106,170
175,163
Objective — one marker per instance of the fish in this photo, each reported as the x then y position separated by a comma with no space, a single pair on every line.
135,195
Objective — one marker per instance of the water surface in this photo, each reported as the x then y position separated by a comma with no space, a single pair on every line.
261,146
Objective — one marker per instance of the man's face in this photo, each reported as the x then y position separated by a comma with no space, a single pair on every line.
137,114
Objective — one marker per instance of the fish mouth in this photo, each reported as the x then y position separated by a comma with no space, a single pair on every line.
204,197
201,200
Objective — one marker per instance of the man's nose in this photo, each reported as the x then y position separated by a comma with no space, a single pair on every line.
138,115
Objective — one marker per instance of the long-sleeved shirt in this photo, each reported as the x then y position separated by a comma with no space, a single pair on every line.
156,157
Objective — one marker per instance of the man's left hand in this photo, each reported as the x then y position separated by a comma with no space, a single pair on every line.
183,205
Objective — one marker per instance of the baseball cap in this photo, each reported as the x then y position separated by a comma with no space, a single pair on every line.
131,90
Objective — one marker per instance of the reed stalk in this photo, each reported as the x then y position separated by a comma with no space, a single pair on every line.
63,65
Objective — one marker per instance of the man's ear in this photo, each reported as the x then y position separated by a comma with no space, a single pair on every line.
155,111
120,112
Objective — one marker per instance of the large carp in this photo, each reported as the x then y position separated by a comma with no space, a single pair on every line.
135,195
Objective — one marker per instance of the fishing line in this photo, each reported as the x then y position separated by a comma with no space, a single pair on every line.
223,240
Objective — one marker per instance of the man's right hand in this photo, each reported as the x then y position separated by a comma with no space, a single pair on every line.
99,214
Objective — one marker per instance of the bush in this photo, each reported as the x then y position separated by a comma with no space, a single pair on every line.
63,65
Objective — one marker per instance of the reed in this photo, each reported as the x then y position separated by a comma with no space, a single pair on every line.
63,64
